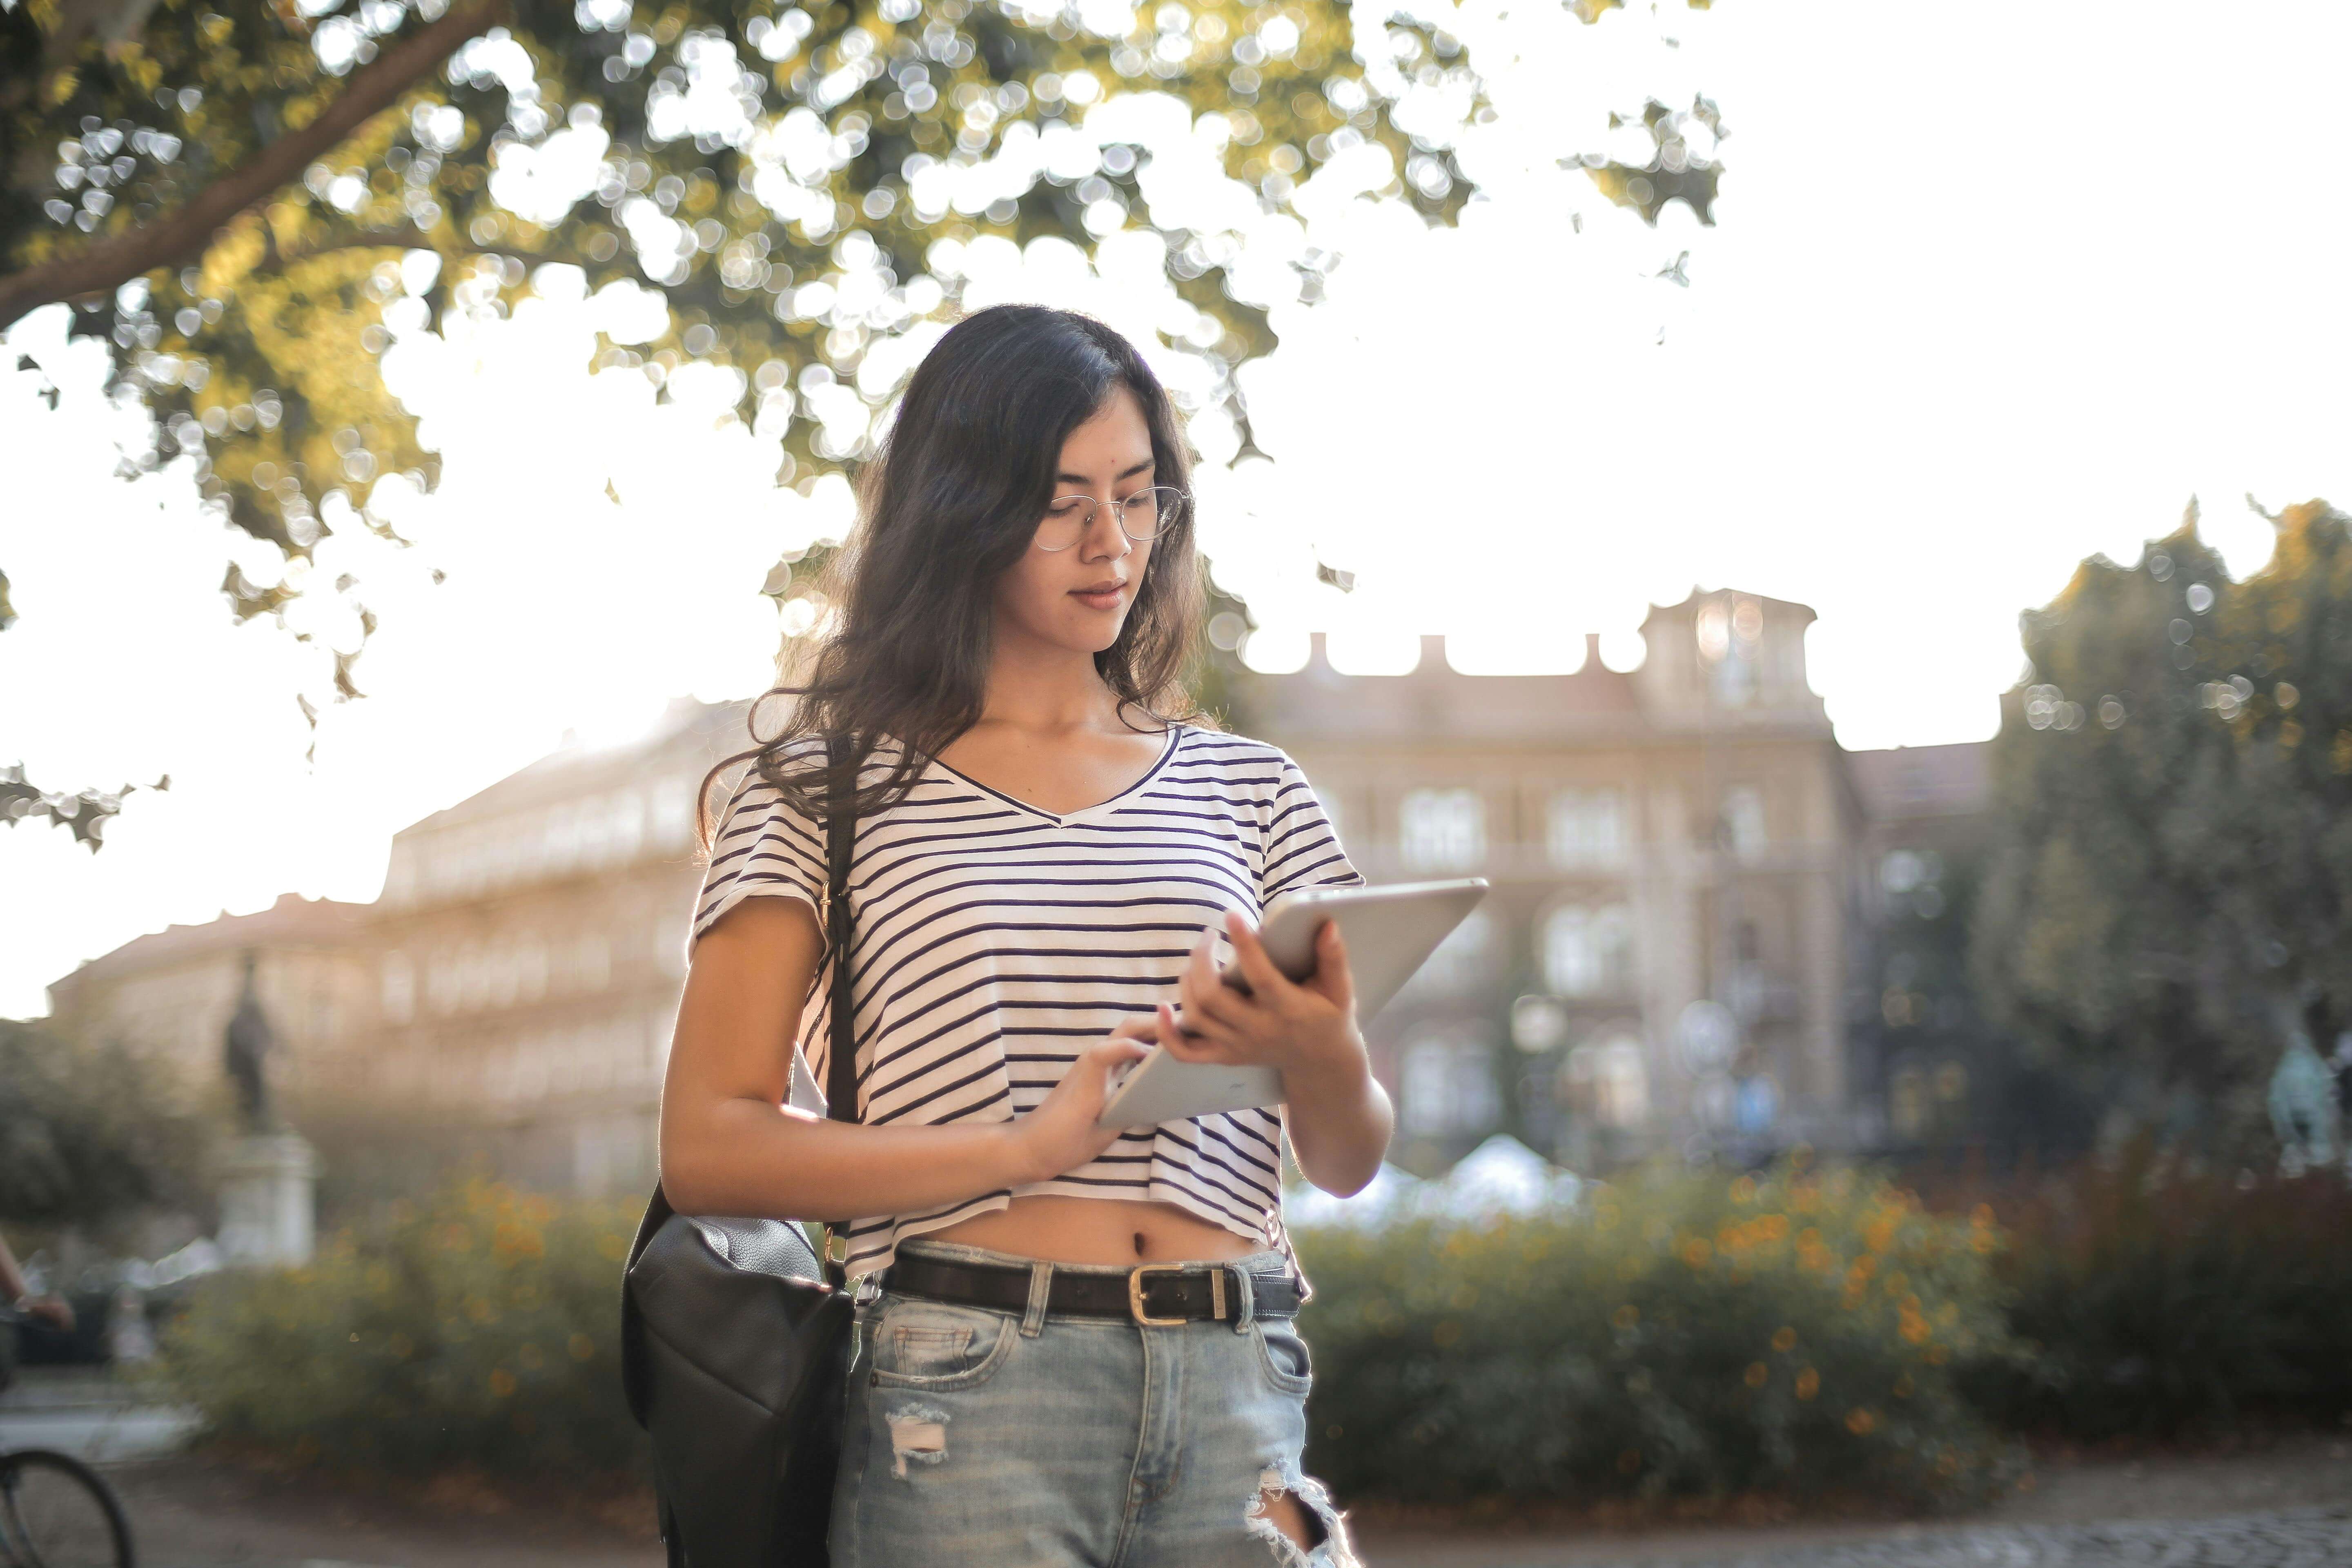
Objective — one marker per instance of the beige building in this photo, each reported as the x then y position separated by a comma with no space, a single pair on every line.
1686,878
1676,856
169,994
530,950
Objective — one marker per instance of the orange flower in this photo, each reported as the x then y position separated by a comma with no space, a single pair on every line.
1757,1374
1809,1382
1785,1340
1859,1422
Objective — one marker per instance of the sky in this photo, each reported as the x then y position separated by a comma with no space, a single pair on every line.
1987,293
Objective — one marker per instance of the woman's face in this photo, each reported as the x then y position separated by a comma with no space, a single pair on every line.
1077,598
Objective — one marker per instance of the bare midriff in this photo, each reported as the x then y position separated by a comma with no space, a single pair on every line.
1098,1230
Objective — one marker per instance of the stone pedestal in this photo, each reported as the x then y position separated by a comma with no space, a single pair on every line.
267,1201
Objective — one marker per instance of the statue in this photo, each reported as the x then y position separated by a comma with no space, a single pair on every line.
246,1058
270,1174
2302,1101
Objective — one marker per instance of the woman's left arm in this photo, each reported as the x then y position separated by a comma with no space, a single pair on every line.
1338,1116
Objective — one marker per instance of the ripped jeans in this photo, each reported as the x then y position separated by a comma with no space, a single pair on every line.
979,1438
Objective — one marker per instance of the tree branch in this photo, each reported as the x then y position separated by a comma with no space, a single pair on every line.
186,233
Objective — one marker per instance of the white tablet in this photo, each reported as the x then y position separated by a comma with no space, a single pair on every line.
1390,932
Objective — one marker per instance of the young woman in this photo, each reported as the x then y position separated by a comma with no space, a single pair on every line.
1082,1351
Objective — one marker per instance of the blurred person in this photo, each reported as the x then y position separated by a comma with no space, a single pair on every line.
1045,825
16,1294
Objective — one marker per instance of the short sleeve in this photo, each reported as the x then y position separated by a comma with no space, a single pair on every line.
762,847
1302,847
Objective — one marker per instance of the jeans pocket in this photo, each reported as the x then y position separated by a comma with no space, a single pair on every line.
933,1344
1282,1352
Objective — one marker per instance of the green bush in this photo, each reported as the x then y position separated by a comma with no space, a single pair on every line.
2157,1301
479,1329
1678,1335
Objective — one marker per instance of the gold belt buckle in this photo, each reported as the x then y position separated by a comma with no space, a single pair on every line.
1135,1295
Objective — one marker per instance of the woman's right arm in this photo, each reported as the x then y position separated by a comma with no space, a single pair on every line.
730,1146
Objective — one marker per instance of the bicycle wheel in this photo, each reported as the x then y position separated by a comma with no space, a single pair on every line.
55,1512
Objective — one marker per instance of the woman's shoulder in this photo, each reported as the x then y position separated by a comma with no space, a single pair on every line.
791,771
1238,759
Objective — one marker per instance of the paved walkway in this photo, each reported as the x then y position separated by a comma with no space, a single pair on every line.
2289,1538
89,1415
2289,1508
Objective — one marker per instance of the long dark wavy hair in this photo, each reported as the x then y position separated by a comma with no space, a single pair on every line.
953,499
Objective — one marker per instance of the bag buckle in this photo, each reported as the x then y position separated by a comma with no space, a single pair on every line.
1135,1295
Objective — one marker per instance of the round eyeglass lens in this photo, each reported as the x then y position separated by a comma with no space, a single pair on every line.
1141,515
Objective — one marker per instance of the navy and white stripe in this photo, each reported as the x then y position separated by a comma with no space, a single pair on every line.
995,941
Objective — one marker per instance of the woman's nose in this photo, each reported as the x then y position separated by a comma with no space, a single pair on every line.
1117,545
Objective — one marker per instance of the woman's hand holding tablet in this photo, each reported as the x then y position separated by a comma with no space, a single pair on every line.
1290,1000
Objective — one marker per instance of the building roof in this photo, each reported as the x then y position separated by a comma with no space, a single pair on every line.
1319,701
1912,782
686,725
292,922
1679,690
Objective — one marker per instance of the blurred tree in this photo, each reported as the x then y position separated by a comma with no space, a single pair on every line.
242,198
88,1135
2174,858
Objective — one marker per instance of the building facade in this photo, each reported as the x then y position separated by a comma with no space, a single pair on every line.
169,995
1678,952
1677,856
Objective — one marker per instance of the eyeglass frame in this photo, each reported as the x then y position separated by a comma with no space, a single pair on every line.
1119,508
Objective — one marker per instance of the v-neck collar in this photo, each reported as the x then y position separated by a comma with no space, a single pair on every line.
1175,738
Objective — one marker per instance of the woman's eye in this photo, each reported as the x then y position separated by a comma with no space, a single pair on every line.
1063,508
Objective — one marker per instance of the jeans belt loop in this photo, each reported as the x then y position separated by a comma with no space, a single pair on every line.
1041,1287
1244,1299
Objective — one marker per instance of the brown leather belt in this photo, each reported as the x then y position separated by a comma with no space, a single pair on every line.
1153,1294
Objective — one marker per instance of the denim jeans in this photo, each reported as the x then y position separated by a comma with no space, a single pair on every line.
980,1438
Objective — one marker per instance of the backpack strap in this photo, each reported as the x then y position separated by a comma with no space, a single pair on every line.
840,840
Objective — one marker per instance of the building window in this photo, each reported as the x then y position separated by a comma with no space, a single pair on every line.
1588,827
1743,819
592,962
1609,1082
504,978
1587,952
441,982
624,824
673,814
530,969
1448,1088
399,988
1460,963
669,949
1444,830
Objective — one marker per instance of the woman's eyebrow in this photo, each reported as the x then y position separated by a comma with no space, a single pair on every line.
1081,478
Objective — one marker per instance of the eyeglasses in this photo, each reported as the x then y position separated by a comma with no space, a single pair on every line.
1142,517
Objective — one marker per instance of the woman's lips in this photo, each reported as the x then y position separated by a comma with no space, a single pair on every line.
1104,598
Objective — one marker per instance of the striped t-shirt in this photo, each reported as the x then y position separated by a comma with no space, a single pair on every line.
993,941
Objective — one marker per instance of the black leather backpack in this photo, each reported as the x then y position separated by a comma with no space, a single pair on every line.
735,1336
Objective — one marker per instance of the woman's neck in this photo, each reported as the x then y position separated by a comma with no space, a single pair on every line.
1042,688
